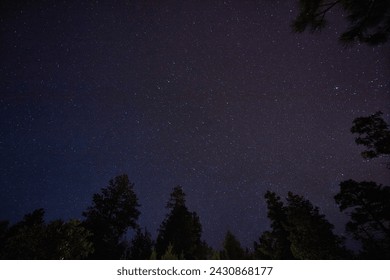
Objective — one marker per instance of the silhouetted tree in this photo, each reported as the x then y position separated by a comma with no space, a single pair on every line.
67,241
215,255
141,246
181,229
112,213
26,239
373,133
368,205
368,19
232,249
4,227
298,231
32,239
274,244
169,254
310,233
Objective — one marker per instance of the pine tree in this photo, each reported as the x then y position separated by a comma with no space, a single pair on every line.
310,233
274,244
181,229
232,249
141,246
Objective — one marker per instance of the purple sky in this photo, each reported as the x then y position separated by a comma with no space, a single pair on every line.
219,97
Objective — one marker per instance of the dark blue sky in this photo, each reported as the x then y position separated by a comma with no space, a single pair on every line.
220,97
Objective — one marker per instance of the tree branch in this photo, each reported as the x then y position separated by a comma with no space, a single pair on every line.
330,6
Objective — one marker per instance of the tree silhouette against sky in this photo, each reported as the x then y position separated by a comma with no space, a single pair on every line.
368,20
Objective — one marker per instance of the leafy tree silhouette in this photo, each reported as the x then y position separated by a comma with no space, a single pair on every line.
368,203
32,239
25,240
369,209
112,213
373,133
181,229
368,19
67,241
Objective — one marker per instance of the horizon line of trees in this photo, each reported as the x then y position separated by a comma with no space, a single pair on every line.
297,228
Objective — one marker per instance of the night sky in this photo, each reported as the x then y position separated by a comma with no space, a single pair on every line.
220,97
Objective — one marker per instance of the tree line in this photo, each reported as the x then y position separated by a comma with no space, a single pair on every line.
297,228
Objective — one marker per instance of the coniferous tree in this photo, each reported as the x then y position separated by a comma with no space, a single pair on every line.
274,244
141,246
215,255
169,254
181,229
232,249
113,212
310,233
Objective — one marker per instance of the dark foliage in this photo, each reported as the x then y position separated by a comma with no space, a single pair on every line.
181,229
368,205
141,246
32,239
112,213
4,225
310,233
67,241
274,244
298,231
232,249
25,240
369,20
373,133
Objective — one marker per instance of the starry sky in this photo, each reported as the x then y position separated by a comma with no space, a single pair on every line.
220,97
